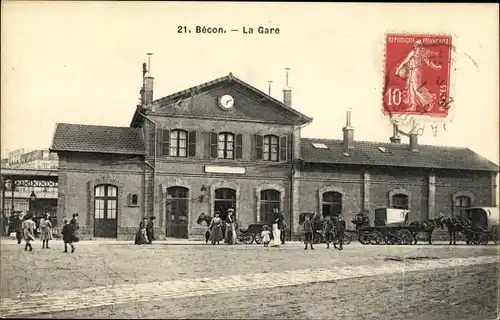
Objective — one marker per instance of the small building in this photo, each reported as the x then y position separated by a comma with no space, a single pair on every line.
225,144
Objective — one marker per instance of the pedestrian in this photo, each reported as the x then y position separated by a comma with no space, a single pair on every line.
340,231
150,229
69,237
5,225
328,230
74,221
266,235
141,236
45,231
216,229
28,226
277,226
230,233
17,227
308,232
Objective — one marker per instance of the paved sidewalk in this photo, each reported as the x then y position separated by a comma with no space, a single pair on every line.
57,301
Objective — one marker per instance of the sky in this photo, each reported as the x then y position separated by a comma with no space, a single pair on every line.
81,62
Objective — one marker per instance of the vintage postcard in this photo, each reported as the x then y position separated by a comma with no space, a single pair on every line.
249,160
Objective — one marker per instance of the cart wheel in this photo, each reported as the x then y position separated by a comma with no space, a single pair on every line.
258,239
404,237
375,237
495,235
390,240
363,238
247,238
347,238
484,238
317,238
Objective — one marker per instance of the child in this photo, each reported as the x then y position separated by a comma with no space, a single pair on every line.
46,231
266,236
308,230
28,231
68,232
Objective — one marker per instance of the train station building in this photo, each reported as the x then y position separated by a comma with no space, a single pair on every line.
225,144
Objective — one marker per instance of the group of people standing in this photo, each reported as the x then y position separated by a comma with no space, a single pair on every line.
26,228
229,234
333,230
146,233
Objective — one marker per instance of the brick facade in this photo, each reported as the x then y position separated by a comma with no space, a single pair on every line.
301,186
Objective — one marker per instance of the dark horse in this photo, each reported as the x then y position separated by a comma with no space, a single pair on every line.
427,226
454,224
207,218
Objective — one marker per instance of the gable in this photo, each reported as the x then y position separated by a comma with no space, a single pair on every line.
250,104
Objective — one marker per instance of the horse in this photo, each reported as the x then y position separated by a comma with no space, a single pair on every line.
427,226
454,224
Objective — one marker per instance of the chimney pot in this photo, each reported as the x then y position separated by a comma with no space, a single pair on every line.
413,142
148,90
395,135
287,91
348,132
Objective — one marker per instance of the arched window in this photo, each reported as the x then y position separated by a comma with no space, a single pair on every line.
400,201
133,200
270,148
332,203
177,212
178,143
225,198
461,203
105,207
269,199
225,146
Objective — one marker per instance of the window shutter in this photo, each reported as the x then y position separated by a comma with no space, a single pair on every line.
239,146
192,143
213,145
165,142
159,138
283,148
258,147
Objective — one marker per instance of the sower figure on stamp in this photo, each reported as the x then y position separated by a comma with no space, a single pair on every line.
411,69
339,232
328,230
308,232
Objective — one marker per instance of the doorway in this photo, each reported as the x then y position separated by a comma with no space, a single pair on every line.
225,198
177,212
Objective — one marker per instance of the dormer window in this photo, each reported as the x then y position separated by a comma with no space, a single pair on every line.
319,145
383,149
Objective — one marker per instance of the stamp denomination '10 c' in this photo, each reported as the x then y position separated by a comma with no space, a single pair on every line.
417,75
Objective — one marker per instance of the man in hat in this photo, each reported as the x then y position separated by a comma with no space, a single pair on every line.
339,232
230,233
150,229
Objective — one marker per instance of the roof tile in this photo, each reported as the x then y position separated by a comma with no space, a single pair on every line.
398,155
99,139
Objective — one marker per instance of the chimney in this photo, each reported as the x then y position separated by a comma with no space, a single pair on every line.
147,83
395,135
413,142
287,91
269,92
348,132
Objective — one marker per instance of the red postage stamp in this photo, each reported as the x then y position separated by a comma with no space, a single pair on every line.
417,75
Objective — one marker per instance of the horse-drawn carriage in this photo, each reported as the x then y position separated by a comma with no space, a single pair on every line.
483,225
390,227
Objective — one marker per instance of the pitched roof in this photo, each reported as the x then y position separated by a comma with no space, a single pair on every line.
396,155
187,93
99,139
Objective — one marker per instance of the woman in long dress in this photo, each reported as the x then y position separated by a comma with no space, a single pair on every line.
216,227
45,231
411,70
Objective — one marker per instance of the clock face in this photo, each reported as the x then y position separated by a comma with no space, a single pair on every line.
226,101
